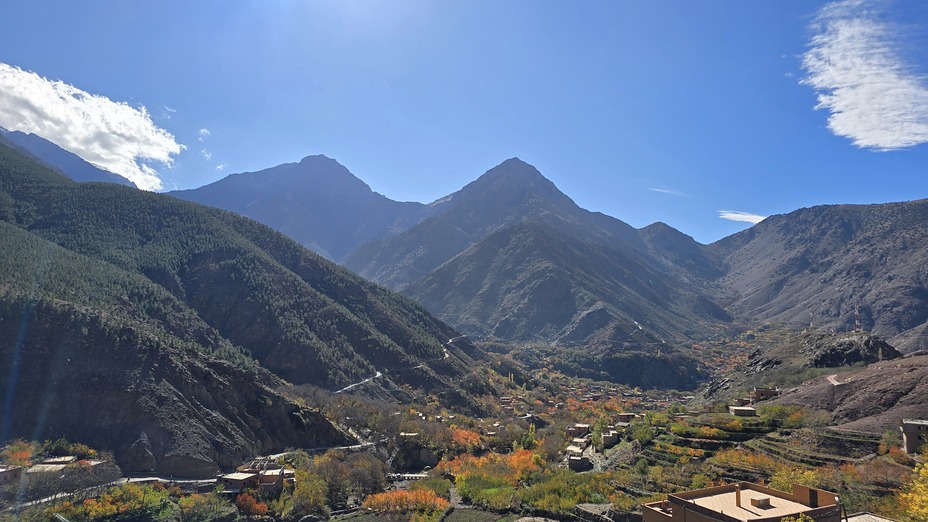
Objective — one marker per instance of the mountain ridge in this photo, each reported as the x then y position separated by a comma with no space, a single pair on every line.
180,311
779,282
66,162
307,201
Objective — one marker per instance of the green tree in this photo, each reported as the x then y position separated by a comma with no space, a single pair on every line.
784,479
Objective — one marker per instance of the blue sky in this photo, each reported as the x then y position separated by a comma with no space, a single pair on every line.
646,111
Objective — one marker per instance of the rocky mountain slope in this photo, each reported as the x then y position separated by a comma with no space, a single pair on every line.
122,306
829,261
68,163
802,355
317,202
533,282
510,257
872,399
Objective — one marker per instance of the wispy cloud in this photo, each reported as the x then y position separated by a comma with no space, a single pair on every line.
874,97
221,167
204,133
110,134
207,155
671,192
167,113
737,215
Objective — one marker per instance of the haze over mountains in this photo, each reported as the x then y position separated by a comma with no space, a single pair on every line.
510,257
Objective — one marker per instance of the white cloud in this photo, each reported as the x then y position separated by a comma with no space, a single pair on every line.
737,215
874,97
671,192
204,133
207,155
221,167
112,135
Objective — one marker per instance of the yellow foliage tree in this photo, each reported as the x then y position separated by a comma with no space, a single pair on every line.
914,496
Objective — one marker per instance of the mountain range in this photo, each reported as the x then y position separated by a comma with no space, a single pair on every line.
164,329
510,257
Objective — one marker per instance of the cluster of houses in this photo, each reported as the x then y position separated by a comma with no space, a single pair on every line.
11,473
262,474
580,437
743,406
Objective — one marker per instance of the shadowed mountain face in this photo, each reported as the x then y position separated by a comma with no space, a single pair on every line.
147,324
70,164
510,257
830,260
317,202
506,195
533,282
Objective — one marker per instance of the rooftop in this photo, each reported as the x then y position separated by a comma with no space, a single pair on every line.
725,503
723,500
239,476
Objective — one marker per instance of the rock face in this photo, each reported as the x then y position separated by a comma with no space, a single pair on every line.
817,349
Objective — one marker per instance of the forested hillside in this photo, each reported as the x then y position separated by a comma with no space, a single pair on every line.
98,270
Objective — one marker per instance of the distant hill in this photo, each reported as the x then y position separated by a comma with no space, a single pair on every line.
317,202
152,326
68,163
829,261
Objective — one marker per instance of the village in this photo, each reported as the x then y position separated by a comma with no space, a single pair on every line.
605,452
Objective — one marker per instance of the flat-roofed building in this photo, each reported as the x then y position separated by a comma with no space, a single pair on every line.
10,473
914,434
578,430
238,481
744,502
625,417
762,394
742,411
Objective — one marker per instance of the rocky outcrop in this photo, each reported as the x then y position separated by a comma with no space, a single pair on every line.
873,399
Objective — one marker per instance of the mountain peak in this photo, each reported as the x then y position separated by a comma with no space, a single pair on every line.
514,167
320,159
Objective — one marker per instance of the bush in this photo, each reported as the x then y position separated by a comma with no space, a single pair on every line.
247,504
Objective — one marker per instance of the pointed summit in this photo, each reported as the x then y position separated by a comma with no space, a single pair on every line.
510,185
317,201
